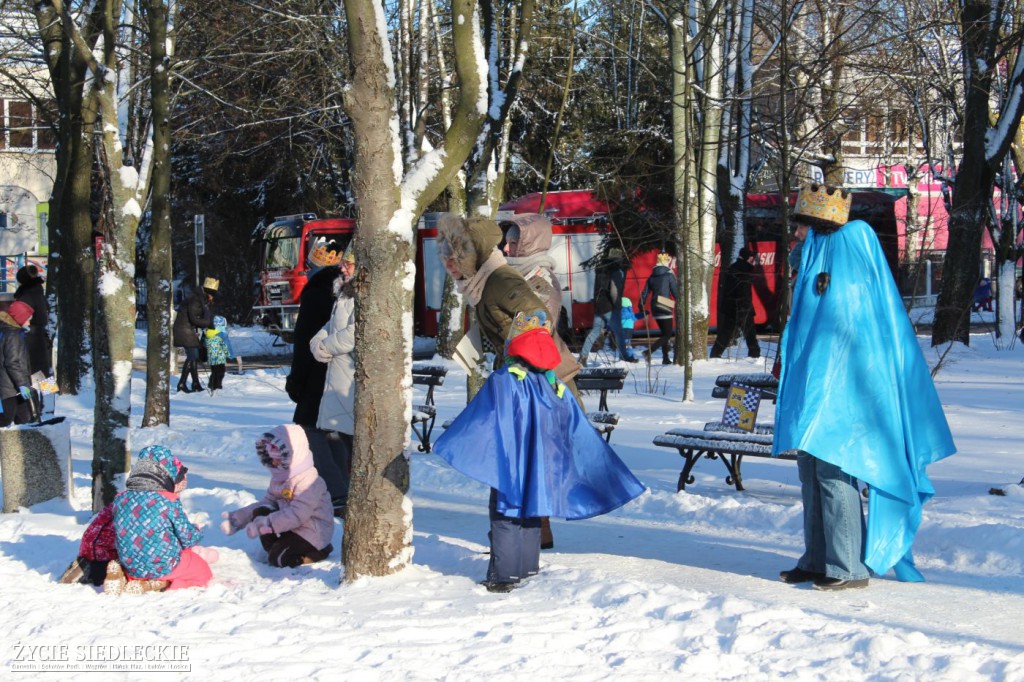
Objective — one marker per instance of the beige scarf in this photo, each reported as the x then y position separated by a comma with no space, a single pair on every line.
473,287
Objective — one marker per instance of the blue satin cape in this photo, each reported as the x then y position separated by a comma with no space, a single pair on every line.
856,391
537,450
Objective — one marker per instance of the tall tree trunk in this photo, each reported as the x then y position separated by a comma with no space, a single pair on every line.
72,258
682,196
378,527
160,270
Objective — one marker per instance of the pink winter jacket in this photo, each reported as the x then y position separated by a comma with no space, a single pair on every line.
297,493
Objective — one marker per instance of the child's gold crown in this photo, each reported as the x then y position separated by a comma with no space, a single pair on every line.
821,202
527,322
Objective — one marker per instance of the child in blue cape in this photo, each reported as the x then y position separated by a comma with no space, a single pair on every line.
525,436
218,352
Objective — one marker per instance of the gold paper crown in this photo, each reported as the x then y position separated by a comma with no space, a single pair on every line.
824,203
527,322
321,257
350,255
211,284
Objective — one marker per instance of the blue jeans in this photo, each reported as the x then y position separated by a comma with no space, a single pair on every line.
833,521
613,321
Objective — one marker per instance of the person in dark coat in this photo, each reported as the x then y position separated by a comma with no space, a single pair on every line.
31,290
15,379
736,306
661,289
609,282
305,382
195,314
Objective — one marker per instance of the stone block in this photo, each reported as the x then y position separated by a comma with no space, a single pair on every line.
35,463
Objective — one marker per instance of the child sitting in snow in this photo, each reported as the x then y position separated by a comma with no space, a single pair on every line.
157,546
218,352
295,520
525,436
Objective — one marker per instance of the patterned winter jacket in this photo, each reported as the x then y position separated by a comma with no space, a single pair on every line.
150,525
218,347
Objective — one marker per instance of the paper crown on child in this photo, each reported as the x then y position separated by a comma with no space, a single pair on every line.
211,284
324,255
529,339
664,259
350,255
825,208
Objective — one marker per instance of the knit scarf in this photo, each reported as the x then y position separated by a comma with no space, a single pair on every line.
528,265
473,287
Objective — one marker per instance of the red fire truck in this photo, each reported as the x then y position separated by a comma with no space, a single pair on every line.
284,248
580,220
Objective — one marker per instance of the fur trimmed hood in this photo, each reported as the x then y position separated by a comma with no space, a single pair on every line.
469,240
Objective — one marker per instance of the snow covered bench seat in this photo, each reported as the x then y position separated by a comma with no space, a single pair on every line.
604,422
767,383
718,441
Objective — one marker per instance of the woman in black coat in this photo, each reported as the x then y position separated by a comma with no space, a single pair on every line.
194,315
31,291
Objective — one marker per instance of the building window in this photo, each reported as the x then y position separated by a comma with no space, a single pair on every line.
23,126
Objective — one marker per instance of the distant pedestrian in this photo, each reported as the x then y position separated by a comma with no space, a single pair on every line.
661,290
983,295
628,323
31,290
736,306
194,316
609,282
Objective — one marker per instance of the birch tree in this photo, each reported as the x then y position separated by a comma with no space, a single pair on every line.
378,528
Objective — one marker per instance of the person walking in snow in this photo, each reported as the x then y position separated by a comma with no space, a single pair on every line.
194,315
856,403
218,352
525,436
609,282
736,310
661,289
31,290
157,546
294,520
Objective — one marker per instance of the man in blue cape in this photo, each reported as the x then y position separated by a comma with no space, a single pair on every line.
856,401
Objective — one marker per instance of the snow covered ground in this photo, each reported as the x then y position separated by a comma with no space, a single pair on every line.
683,584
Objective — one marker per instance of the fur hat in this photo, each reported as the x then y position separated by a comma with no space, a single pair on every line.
824,208
20,312
469,241
529,340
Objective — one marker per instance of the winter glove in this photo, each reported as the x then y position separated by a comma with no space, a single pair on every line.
231,523
26,392
259,526
319,352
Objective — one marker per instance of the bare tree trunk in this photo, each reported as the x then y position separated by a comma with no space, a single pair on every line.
682,169
160,271
378,527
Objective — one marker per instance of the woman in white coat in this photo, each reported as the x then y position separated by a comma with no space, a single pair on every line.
335,345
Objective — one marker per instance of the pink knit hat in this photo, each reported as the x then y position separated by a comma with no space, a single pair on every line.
20,312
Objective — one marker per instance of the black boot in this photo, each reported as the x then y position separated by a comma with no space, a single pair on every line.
182,386
194,369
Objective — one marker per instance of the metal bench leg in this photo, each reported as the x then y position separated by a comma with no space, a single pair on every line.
685,476
428,428
732,463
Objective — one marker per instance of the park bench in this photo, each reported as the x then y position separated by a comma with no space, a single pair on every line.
602,379
424,415
716,440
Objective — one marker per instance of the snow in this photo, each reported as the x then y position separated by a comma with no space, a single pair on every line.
674,583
